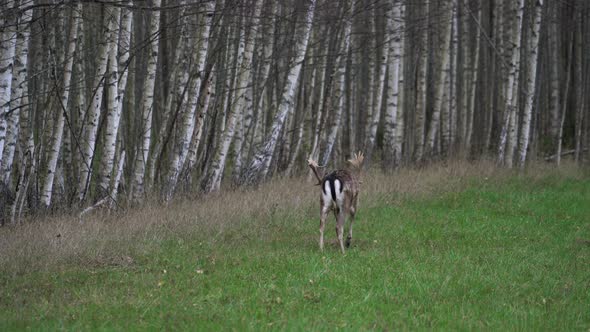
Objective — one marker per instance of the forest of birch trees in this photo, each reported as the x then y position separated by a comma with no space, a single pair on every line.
110,102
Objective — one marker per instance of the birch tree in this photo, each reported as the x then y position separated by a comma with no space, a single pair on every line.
421,90
339,86
19,90
439,85
449,101
212,181
504,152
146,106
394,32
188,121
259,166
7,49
116,84
56,138
376,113
531,82
92,118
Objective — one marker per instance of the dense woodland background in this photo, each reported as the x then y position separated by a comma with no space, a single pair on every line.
106,102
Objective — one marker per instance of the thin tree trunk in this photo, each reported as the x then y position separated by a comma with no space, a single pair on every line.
318,111
212,181
339,86
531,83
188,121
146,107
473,85
422,85
454,83
92,118
366,115
564,103
555,57
7,51
581,77
198,132
466,64
441,78
18,94
260,164
400,123
119,47
56,138
394,23
177,96
245,92
511,85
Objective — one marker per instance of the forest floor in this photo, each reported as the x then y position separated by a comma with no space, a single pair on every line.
455,246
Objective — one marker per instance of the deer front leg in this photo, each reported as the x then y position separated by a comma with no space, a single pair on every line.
323,216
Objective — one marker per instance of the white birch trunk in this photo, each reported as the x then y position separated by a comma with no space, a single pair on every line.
244,89
188,120
318,111
19,90
453,112
512,81
531,82
7,50
339,87
116,84
367,119
92,118
421,89
441,78
466,62
513,124
117,179
580,87
198,132
177,97
112,115
377,103
400,125
146,107
473,86
260,164
263,81
449,97
394,48
564,107
79,102
554,104
56,138
212,181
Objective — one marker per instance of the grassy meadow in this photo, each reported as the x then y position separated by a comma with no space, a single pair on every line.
454,246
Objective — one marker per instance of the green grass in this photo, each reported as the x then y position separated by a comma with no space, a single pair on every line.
511,254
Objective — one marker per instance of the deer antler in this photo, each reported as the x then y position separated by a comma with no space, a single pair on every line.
357,160
315,168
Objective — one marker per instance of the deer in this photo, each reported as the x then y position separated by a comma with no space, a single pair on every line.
339,193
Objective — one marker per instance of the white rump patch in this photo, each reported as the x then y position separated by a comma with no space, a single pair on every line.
327,193
339,192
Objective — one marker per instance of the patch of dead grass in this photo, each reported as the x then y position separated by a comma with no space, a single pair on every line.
114,239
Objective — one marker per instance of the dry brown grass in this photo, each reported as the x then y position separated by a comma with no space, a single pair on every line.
114,239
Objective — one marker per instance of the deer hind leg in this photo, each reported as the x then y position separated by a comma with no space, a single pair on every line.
323,216
340,228
352,210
